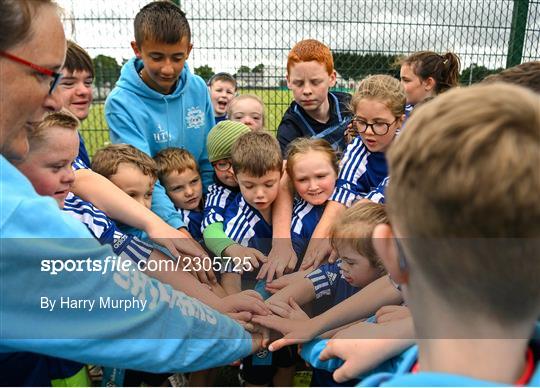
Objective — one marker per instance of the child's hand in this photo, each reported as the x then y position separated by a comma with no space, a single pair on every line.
291,311
365,345
248,300
392,313
244,253
296,332
282,259
318,250
284,281
254,328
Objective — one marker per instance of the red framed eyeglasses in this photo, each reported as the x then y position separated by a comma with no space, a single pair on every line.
55,76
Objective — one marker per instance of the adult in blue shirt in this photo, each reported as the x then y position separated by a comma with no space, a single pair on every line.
174,332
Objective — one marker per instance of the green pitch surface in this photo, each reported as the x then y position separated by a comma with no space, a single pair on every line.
96,133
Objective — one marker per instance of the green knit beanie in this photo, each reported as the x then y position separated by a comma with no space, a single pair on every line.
221,138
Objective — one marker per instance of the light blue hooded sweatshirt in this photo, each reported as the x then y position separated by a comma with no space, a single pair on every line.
173,332
151,121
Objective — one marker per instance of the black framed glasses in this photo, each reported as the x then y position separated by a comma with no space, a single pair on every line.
222,165
55,76
379,129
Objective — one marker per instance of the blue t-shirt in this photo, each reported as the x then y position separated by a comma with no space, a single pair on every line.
83,153
105,231
219,197
245,225
360,172
304,221
193,221
328,281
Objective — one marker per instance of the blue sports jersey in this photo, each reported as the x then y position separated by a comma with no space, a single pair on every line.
105,230
304,221
219,197
193,221
360,172
328,280
83,153
377,195
245,225
79,164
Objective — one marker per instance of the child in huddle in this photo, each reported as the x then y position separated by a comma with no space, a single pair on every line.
222,88
426,74
247,109
315,112
378,107
257,167
179,174
158,102
223,192
131,170
458,186
358,266
312,167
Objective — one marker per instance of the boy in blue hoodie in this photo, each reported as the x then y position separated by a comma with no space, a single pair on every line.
157,102
464,240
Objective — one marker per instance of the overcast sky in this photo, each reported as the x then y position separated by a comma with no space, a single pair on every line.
227,34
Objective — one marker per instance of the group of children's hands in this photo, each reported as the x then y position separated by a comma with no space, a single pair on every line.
281,259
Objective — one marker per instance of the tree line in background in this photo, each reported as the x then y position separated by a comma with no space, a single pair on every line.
349,65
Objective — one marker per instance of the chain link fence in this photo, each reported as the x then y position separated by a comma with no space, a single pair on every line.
251,39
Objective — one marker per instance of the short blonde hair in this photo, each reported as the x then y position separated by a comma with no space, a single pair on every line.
383,88
174,159
107,160
467,168
303,145
256,154
62,119
355,228
241,97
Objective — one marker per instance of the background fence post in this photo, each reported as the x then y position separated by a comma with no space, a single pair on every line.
517,32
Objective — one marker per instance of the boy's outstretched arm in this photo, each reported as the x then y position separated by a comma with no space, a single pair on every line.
361,305
319,248
282,258
302,291
183,281
119,206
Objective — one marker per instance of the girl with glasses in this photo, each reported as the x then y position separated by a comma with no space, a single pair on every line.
379,111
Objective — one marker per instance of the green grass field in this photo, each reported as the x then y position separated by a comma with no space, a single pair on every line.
96,133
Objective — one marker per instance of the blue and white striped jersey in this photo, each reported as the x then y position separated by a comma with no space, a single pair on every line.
217,200
304,221
377,195
245,225
327,280
79,164
193,220
105,231
360,172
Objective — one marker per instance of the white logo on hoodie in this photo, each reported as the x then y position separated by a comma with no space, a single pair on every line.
161,135
195,117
